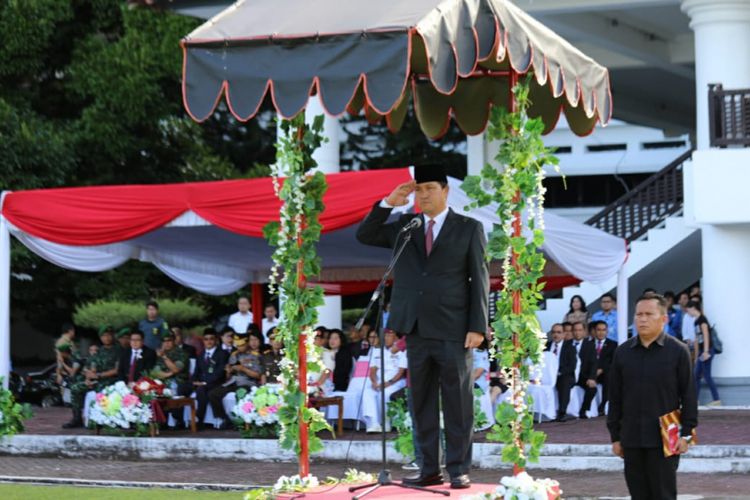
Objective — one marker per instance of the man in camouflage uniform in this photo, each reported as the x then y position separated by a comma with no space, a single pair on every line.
123,339
98,372
173,365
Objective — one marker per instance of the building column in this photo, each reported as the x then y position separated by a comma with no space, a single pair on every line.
5,364
328,158
722,32
476,153
722,35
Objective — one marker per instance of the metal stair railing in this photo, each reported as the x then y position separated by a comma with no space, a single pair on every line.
728,116
647,205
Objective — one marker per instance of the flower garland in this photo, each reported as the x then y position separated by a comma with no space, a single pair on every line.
119,407
12,414
294,238
518,339
522,486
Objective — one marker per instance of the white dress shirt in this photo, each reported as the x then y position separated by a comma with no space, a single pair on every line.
136,355
209,353
439,219
239,322
267,325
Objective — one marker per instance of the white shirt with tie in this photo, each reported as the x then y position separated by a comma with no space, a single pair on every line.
136,355
209,353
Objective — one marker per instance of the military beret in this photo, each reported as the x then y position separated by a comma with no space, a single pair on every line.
106,329
122,332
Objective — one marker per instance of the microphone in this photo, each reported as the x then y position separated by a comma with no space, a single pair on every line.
415,223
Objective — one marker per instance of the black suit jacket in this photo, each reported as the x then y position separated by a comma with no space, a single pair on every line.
142,365
212,371
446,294
190,350
587,357
567,357
606,355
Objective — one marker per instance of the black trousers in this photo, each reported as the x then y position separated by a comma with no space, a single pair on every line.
201,396
564,385
589,394
602,379
649,475
442,368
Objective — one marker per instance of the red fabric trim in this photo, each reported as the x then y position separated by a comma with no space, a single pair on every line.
109,214
550,282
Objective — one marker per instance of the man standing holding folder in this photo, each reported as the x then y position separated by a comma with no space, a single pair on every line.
651,376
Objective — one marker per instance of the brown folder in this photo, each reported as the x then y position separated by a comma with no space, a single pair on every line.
670,425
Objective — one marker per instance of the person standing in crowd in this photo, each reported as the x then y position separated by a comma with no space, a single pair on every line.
209,371
577,312
67,337
586,352
688,323
137,360
650,376
566,369
343,360
240,320
153,326
440,300
605,351
608,314
567,327
703,351
673,313
68,370
269,321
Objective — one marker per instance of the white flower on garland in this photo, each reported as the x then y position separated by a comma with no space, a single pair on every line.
118,407
521,487
287,484
2,417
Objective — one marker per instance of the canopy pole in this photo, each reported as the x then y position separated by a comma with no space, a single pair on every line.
4,296
256,296
622,303
513,77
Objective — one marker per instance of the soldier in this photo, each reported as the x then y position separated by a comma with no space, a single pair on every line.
98,372
123,339
68,335
172,366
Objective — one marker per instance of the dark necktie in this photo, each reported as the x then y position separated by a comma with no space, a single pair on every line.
598,348
555,350
429,238
208,356
131,372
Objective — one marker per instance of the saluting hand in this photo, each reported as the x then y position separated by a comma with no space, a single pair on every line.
400,195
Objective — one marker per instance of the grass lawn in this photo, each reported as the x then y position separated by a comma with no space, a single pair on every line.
26,492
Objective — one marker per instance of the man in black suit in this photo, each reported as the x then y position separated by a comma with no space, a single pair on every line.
587,363
605,351
566,368
179,342
209,371
439,299
135,361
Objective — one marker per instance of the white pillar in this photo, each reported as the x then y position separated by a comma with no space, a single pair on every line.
329,314
328,154
726,268
4,297
476,153
722,36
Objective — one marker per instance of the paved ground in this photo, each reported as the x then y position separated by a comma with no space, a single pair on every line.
262,473
715,427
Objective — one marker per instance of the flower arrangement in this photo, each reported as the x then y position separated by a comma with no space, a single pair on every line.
522,487
12,414
147,388
257,411
285,484
118,407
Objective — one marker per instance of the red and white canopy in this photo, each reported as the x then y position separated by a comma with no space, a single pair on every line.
208,236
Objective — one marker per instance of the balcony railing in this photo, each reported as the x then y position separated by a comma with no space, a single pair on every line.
728,116
646,206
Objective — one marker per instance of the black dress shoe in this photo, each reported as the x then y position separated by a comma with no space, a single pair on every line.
583,416
563,418
460,482
423,480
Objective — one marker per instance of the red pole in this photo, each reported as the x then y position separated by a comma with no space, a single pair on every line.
256,294
514,262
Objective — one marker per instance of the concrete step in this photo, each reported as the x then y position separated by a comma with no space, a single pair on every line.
701,458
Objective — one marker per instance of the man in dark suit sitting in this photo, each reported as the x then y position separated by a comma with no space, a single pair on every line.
605,351
439,299
209,371
566,368
587,362
179,342
135,361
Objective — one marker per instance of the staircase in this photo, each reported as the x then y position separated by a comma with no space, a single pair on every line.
664,252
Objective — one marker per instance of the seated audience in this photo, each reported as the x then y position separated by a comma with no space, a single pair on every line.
227,336
123,338
180,343
395,379
173,366
137,360
566,355
209,371
343,360
272,357
481,362
244,369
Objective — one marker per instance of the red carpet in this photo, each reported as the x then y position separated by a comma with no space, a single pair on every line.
341,492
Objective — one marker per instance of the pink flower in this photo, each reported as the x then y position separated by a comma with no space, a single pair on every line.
248,407
273,408
130,400
100,396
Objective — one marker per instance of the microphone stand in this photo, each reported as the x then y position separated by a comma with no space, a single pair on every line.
384,477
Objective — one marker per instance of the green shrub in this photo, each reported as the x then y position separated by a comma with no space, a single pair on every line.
121,314
350,316
12,414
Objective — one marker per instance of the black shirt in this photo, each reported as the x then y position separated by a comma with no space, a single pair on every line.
700,320
646,383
